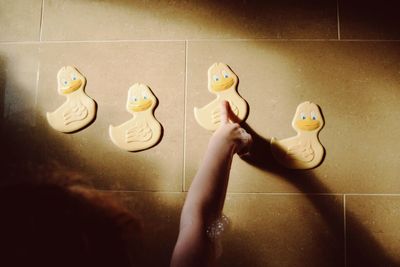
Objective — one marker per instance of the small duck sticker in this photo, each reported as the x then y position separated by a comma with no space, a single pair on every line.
79,110
223,82
303,151
143,130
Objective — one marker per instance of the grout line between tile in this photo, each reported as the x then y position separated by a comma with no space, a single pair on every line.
308,194
41,22
373,194
260,193
184,118
229,193
36,88
290,40
139,191
338,18
200,40
345,230
285,194
113,41
259,39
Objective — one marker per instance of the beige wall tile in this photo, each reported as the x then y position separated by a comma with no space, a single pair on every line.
160,215
283,230
264,230
19,65
124,19
20,20
372,230
356,85
18,75
110,69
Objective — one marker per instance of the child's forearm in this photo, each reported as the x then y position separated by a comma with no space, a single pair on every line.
206,196
203,205
207,193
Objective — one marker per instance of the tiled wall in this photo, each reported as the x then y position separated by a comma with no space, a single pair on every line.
342,55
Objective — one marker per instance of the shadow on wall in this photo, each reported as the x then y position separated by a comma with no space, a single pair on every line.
17,140
222,19
248,19
365,250
25,153
260,19
2,90
370,19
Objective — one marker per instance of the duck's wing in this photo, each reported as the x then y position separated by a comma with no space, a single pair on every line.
76,112
204,116
139,132
301,153
216,116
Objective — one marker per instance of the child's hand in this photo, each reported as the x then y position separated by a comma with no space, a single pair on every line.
230,134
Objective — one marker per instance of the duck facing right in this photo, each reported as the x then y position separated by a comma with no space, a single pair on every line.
303,151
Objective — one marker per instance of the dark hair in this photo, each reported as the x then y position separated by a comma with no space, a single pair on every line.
53,219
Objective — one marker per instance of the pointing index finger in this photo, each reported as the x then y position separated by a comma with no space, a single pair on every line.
224,112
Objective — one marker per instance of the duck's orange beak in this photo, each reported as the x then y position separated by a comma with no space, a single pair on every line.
223,84
141,105
74,85
308,124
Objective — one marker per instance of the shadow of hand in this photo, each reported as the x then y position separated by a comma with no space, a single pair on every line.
364,250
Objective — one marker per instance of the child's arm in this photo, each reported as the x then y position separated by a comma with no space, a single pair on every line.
207,192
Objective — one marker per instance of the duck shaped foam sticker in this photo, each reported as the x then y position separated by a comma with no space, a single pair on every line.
223,83
303,151
143,130
79,110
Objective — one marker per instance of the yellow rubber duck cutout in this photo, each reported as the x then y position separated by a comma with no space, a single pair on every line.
143,130
79,110
223,82
303,151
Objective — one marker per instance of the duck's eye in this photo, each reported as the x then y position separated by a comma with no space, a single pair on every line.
145,95
225,74
303,116
216,78
314,116
74,78
134,99
64,82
